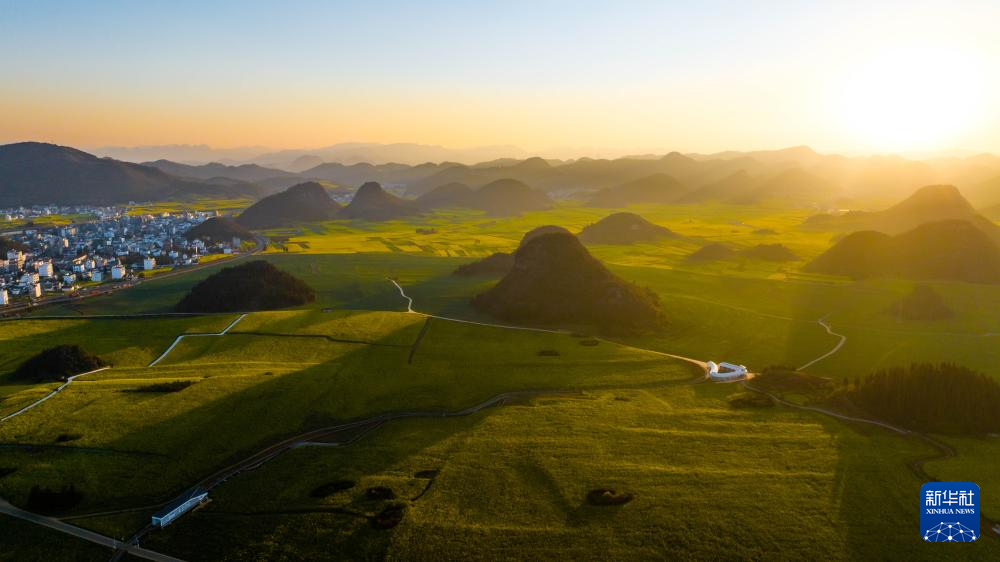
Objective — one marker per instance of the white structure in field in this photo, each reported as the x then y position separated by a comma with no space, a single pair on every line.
4,297
149,264
178,508
726,371
117,272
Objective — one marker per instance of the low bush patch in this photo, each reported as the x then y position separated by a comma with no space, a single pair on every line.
331,488
607,496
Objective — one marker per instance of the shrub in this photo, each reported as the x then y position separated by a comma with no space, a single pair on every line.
256,285
57,363
380,493
172,386
607,496
389,517
331,488
45,500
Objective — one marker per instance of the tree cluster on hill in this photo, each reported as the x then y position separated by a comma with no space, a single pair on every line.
769,252
941,398
256,285
719,252
496,264
623,228
7,244
304,202
711,252
953,250
218,229
932,203
371,202
57,363
47,501
503,197
923,303
499,263
655,188
555,280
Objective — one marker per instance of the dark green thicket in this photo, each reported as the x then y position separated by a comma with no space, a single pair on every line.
769,252
256,285
940,398
555,280
623,228
48,501
6,244
923,303
218,229
955,250
57,363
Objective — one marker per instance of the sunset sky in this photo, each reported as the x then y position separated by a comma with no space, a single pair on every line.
543,75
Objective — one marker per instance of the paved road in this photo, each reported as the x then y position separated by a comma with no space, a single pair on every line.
53,393
182,336
81,533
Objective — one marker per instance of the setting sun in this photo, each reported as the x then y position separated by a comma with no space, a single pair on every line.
908,99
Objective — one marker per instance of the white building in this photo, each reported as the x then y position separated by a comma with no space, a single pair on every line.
36,291
29,279
117,272
69,278
45,269
179,507
149,264
724,372
4,297
97,276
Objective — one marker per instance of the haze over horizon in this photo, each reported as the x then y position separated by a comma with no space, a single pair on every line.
556,79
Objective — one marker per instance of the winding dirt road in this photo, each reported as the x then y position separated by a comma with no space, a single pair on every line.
836,348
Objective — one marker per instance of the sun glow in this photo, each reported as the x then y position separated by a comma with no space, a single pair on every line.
915,98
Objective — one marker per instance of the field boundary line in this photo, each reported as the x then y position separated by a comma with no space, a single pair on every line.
182,336
51,394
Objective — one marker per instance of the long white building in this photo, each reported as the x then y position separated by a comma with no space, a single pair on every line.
725,372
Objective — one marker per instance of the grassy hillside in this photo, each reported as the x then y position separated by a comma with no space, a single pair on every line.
693,464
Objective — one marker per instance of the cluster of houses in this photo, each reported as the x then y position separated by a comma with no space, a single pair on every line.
115,246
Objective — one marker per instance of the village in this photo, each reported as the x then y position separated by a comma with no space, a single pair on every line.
114,247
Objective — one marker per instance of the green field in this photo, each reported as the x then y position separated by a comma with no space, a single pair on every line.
512,480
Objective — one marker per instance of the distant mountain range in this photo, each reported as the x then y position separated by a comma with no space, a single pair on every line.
37,173
296,160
